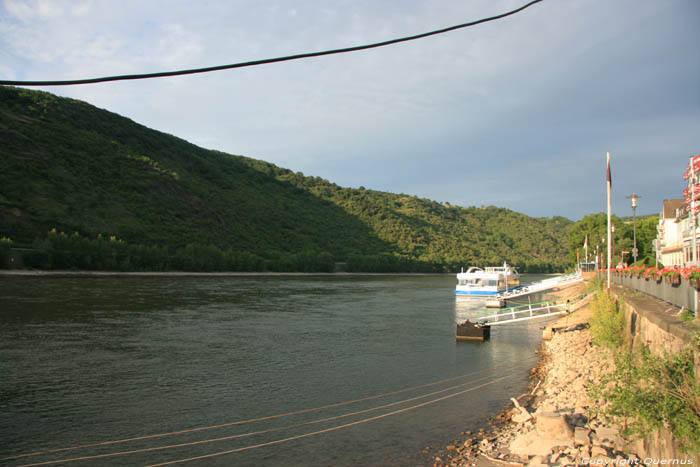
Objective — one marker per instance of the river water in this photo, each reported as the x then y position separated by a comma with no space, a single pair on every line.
91,359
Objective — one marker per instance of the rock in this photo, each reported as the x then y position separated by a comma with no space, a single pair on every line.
581,437
547,334
577,420
451,448
606,433
536,461
521,417
566,460
553,426
599,451
532,444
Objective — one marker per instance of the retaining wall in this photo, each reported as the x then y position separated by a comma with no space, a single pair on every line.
652,322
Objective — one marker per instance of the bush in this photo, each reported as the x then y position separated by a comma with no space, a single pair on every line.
648,392
607,321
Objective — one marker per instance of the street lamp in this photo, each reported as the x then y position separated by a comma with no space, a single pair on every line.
634,197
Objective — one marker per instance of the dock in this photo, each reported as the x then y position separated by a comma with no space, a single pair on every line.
547,284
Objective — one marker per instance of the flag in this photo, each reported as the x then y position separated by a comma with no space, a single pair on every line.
609,178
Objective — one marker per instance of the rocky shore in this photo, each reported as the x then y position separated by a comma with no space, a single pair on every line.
555,423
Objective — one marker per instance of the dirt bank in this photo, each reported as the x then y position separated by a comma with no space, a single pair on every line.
555,422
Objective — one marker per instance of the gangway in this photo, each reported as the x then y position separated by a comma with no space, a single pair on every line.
541,286
532,311
525,312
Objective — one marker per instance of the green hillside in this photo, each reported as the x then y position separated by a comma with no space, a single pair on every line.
69,166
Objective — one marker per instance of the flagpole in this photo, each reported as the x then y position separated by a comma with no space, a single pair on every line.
609,183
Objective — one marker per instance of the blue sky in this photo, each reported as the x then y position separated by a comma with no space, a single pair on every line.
516,113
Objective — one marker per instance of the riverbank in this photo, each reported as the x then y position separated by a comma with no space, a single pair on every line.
555,423
42,272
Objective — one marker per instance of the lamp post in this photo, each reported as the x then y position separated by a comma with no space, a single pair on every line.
634,197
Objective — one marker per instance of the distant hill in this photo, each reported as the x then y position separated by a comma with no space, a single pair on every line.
69,166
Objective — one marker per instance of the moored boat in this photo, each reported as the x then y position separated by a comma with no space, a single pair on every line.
487,282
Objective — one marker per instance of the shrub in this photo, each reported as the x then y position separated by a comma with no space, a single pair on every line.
648,392
607,321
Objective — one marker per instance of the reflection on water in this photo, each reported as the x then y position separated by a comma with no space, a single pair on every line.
89,359
469,309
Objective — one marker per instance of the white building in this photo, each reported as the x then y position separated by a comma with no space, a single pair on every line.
669,249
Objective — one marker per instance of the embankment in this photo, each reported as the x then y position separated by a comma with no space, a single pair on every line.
557,423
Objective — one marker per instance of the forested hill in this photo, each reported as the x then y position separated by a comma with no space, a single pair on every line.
69,166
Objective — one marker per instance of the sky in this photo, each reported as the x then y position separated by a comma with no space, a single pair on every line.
516,113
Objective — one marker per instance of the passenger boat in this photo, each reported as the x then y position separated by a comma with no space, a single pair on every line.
486,282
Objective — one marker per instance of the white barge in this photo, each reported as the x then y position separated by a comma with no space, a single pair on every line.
487,282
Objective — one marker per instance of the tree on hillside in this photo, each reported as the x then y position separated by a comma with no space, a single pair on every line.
595,227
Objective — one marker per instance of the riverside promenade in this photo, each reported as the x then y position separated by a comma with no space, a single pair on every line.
556,423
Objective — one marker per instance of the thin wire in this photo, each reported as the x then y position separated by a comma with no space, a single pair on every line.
252,420
327,430
245,435
266,61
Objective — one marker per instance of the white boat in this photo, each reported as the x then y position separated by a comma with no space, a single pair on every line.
487,282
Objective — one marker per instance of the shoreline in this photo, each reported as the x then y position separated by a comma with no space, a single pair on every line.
42,272
554,422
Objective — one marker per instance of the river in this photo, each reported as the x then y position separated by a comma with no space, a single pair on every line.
91,359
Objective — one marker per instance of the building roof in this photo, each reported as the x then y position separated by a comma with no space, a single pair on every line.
670,206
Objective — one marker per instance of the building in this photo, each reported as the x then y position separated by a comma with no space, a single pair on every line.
679,224
669,248
691,207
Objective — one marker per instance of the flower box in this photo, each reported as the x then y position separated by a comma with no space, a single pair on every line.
674,280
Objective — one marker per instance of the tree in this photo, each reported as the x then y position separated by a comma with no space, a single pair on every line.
595,226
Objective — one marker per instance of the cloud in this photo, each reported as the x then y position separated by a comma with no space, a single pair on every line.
515,113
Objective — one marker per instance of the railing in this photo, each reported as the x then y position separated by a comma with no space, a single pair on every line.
676,291
531,311
542,285
522,315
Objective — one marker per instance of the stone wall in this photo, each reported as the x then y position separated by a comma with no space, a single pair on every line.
654,323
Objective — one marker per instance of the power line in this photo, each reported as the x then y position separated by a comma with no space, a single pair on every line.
268,417
333,428
266,61
255,433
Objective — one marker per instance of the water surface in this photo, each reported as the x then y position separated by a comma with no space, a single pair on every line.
87,359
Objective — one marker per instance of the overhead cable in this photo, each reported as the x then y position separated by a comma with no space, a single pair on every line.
266,61
258,419
255,433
